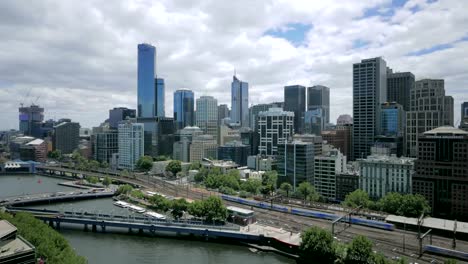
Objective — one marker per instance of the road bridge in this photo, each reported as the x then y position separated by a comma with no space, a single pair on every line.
54,197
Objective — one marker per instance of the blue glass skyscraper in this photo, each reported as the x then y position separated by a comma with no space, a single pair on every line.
150,88
240,102
183,108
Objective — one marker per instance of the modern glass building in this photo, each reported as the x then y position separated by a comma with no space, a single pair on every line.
183,108
151,91
118,114
296,162
160,95
66,136
158,135
30,120
318,97
295,101
240,102
223,112
399,86
393,119
314,121
131,144
105,144
234,151
207,115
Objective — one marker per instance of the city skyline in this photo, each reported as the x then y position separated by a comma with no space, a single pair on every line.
269,53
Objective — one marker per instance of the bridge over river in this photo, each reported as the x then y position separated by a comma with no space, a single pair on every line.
54,197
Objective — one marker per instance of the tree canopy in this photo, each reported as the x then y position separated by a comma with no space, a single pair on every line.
317,244
286,187
178,206
174,166
357,198
308,192
359,251
145,163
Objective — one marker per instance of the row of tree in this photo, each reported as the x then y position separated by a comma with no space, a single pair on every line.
50,245
409,205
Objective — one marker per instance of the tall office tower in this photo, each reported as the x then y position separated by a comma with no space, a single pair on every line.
275,127
399,86
228,133
369,92
183,108
207,115
294,162
131,144
344,119
254,110
392,131
183,140
234,151
160,97
295,101
105,144
250,138
118,114
464,116
240,102
147,81
318,97
30,120
203,146
158,135
314,121
66,136
441,171
430,108
326,169
223,112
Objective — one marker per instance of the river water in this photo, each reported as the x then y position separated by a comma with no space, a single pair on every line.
123,247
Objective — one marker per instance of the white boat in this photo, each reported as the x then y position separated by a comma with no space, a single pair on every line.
122,204
155,215
137,209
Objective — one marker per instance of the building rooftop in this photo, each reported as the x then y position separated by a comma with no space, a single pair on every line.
388,159
446,130
6,228
431,222
35,142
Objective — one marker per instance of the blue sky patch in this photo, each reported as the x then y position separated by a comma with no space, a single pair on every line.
293,32
360,43
432,49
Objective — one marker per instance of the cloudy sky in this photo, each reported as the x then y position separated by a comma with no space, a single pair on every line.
78,58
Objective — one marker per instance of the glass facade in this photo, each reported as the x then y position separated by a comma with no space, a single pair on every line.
146,80
160,95
314,121
318,97
183,108
294,101
240,102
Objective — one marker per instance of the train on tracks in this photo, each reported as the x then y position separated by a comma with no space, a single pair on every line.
450,253
308,213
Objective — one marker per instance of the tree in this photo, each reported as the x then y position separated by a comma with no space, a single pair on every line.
317,244
92,179
107,181
196,165
450,261
214,209
124,189
159,203
179,206
125,173
286,187
391,203
137,194
201,175
104,165
196,208
413,205
357,198
93,164
145,163
56,154
308,192
269,180
161,158
251,186
174,167
359,251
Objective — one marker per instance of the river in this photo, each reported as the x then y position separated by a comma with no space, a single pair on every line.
123,247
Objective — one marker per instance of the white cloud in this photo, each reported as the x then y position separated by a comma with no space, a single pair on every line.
80,56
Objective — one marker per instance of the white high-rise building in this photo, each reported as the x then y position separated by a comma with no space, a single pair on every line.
275,126
131,144
326,168
207,115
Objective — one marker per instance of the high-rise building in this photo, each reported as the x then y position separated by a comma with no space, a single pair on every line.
160,97
131,144
464,116
314,121
369,92
146,80
158,135
30,120
393,119
381,174
318,97
275,127
250,138
316,140
295,101
430,108
234,151
340,138
105,144
240,102
183,140
203,146
254,110
346,183
399,86
118,114
223,112
66,136
442,170
294,162
183,108
207,115
326,169
344,119
228,133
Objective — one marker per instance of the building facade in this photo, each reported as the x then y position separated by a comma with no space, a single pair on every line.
430,108
184,114
318,97
203,146
464,116
118,114
314,121
240,102
66,136
295,101
294,163
326,169
30,120
147,83
223,112
275,127
183,140
250,138
207,115
346,183
442,171
159,135
399,86
234,151
369,92
340,138
105,144
131,144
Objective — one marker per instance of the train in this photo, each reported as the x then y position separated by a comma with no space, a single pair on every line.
308,213
450,253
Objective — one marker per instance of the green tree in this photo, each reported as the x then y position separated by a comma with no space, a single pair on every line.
450,261
124,189
308,192
94,164
357,198
413,205
179,206
201,175
195,165
214,209
359,251
391,202
174,166
251,186
286,187
92,179
55,154
196,208
145,163
107,181
159,203
317,244
104,165
161,158
125,173
137,194
227,190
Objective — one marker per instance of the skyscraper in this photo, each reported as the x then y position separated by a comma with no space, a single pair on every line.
369,92
295,162
430,108
275,127
30,120
464,116
207,115
146,80
240,102
399,86
66,136
118,114
160,96
131,144
318,96
183,108
314,121
295,101
223,112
